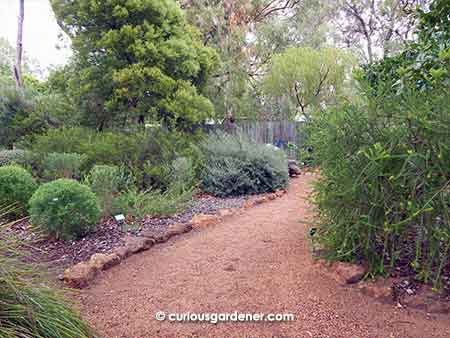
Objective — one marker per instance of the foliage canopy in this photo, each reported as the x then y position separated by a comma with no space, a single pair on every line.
135,61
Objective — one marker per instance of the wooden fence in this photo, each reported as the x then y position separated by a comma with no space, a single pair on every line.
286,135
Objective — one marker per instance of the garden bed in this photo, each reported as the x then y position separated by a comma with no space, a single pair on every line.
109,234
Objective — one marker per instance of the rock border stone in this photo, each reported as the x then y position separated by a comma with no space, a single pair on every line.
82,274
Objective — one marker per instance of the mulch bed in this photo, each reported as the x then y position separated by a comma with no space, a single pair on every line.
59,255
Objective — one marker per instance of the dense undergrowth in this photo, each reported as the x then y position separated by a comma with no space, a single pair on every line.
384,192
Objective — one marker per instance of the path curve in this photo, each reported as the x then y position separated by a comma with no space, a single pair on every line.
257,262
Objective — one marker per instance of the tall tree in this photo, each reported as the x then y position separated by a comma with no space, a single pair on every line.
136,61
376,28
17,69
308,78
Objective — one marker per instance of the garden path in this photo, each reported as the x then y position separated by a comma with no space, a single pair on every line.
256,262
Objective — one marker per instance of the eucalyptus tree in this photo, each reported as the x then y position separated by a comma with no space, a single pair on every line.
308,78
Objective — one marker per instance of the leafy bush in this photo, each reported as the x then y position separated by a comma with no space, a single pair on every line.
235,166
29,308
63,165
157,203
152,202
147,155
106,182
16,187
15,156
384,194
18,115
64,208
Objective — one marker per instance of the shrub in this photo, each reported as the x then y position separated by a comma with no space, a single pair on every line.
384,194
147,155
152,202
106,182
15,156
16,187
63,165
64,208
155,202
236,166
29,308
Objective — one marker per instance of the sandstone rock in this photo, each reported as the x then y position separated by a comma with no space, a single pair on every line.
103,261
347,273
204,220
157,236
280,193
178,229
380,290
80,275
294,169
261,200
138,244
122,252
249,204
272,196
226,212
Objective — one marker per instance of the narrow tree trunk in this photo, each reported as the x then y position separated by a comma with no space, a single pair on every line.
19,46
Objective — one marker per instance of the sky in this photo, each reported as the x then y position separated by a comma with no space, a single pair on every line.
40,31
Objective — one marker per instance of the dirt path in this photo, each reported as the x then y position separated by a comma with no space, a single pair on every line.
258,262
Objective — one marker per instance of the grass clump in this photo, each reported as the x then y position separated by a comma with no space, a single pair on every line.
28,307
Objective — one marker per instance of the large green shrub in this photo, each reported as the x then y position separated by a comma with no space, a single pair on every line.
235,166
63,165
30,308
384,195
64,208
384,192
16,187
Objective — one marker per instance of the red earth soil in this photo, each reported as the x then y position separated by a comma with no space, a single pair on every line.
256,262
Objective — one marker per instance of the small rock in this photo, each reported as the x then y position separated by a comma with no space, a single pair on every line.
138,244
103,262
122,252
157,235
272,196
280,193
261,200
347,273
249,204
226,212
204,220
294,170
178,229
380,290
79,276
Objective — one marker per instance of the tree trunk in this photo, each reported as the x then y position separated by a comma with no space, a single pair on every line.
19,46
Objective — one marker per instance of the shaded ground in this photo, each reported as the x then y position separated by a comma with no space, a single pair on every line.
258,262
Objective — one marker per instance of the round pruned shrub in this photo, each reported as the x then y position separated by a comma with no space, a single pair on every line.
16,188
234,165
65,209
